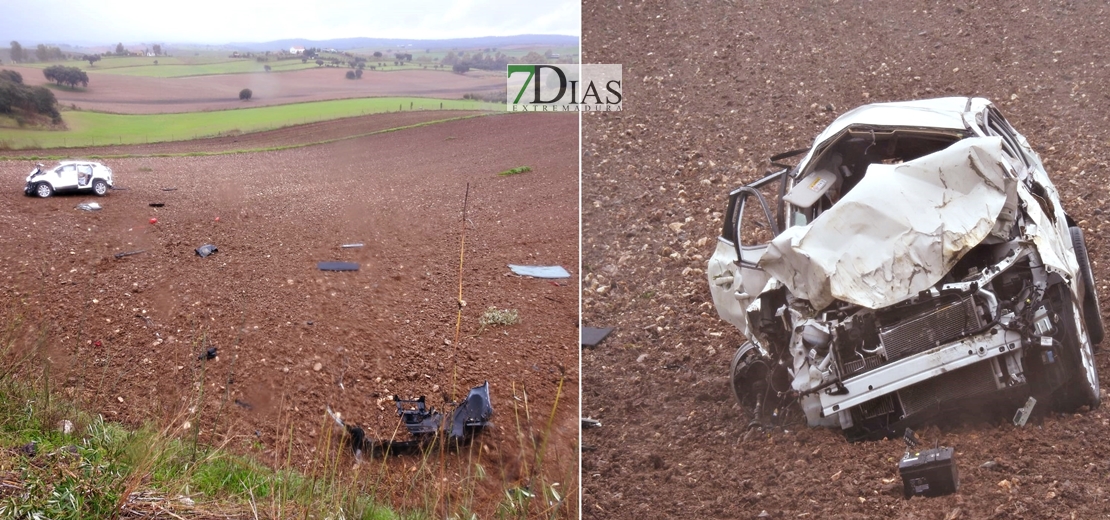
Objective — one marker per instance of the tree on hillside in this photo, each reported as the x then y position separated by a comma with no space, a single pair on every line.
460,68
157,49
17,98
267,67
358,73
534,58
12,76
63,75
91,58
120,51
319,63
377,54
245,94
350,74
16,52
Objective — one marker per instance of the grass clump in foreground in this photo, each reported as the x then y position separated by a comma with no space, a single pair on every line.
97,469
515,171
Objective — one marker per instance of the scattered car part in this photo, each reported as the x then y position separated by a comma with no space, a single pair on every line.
588,422
593,336
157,204
1023,413
89,206
916,260
350,246
337,266
540,271
426,425
69,176
206,250
129,253
929,473
210,353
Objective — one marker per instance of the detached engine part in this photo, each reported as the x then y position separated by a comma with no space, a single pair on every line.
425,425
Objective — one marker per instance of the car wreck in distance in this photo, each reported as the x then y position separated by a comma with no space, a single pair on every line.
69,176
916,260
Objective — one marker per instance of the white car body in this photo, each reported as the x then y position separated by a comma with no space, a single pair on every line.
69,176
920,261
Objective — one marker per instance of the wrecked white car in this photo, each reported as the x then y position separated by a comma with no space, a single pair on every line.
916,260
69,176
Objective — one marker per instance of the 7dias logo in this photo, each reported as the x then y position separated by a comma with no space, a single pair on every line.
563,88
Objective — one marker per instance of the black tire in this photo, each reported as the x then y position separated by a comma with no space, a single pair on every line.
43,190
1091,312
748,369
1082,386
100,188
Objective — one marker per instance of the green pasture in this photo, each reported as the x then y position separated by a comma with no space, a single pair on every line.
98,128
176,67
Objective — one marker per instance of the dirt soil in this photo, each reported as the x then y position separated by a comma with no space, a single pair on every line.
711,90
123,335
144,95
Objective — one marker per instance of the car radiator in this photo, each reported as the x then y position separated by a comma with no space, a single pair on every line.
930,329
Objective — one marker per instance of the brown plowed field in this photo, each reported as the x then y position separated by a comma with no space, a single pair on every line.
123,335
711,90
144,95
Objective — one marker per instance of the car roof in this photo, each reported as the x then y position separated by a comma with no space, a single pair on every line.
940,113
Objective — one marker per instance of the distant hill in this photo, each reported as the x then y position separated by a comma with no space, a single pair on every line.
540,40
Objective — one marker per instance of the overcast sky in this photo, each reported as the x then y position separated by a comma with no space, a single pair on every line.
106,22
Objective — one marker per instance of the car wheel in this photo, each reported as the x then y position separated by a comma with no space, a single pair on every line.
1091,313
100,187
1082,387
43,190
748,375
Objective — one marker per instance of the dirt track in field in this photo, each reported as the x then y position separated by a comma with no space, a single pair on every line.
711,90
123,335
143,95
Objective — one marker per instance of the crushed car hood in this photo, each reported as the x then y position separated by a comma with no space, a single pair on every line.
899,230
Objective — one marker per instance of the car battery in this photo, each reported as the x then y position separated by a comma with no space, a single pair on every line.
929,473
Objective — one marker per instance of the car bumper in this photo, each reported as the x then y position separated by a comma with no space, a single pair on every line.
29,188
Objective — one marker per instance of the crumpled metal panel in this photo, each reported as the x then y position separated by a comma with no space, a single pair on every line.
898,231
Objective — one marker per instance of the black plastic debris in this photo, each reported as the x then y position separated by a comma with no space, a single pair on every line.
337,266
30,449
129,253
592,337
206,250
169,189
426,425
244,405
157,204
588,422
208,354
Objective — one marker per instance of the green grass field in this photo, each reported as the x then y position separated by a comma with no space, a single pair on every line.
174,67
98,128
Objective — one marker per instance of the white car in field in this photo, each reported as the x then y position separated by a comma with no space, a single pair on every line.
69,176
916,261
